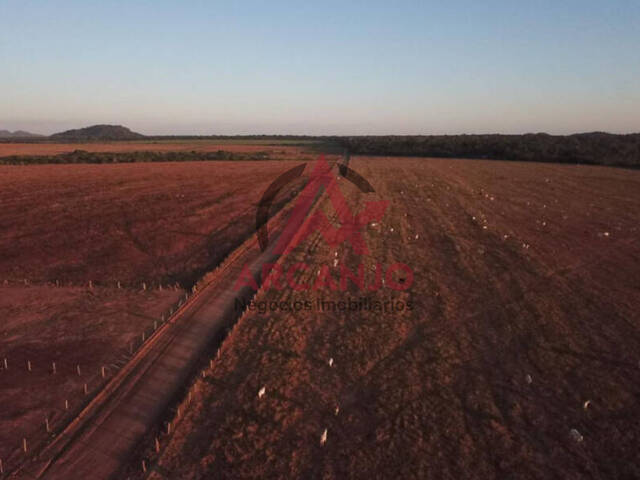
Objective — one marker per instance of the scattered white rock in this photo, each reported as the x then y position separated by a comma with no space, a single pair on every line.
417,236
586,404
576,436
323,437
331,362
261,392
337,410
528,379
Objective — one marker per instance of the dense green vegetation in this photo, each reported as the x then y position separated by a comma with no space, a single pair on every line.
589,148
82,156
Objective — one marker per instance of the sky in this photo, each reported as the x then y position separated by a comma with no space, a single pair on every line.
321,68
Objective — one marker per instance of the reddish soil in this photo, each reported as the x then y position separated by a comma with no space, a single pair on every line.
70,326
279,151
519,359
133,223
147,226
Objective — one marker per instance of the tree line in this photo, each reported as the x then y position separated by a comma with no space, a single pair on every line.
588,148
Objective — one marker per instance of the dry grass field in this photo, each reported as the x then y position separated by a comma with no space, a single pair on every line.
519,359
140,233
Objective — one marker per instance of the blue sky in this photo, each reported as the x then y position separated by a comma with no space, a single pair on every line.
321,67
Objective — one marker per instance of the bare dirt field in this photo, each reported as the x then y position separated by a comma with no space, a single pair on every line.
520,356
284,150
90,257
160,223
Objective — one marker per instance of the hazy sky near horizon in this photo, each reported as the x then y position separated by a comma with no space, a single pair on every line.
329,67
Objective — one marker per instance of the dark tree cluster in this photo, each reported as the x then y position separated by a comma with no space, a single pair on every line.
588,148
82,156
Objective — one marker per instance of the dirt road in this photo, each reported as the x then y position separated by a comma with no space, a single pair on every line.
518,360
99,443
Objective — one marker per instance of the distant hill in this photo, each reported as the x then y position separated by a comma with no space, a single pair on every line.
98,132
18,134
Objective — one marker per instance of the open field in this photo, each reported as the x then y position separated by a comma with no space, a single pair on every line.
136,223
281,150
90,257
519,359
